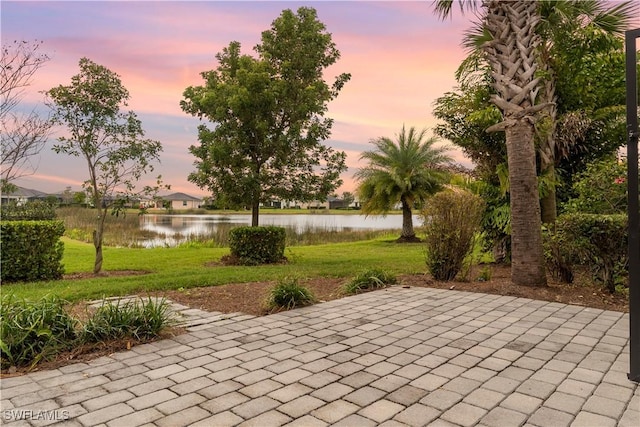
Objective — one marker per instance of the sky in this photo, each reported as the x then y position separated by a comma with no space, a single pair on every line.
400,55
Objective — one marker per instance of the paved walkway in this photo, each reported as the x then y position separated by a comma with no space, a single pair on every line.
392,357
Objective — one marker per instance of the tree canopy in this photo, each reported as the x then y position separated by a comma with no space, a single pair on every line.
111,142
268,118
406,171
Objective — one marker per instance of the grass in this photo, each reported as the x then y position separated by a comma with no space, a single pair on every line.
188,267
288,294
373,278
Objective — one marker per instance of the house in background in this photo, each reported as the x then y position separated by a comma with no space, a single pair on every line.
177,201
22,195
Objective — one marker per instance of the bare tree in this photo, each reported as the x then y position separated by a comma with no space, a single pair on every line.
23,134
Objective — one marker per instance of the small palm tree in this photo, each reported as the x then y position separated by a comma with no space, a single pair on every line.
407,171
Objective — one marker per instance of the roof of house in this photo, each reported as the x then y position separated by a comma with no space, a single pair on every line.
25,192
179,197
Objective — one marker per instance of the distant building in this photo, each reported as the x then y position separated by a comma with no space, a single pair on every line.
178,201
22,195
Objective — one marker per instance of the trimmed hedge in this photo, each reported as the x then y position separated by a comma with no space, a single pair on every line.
257,245
34,211
31,250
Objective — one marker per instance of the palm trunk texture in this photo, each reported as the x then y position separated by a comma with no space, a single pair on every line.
513,61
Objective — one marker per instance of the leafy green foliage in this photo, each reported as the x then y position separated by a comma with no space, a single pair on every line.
407,171
268,113
31,250
452,219
110,142
600,189
257,245
35,211
139,319
288,294
373,278
559,252
31,332
597,241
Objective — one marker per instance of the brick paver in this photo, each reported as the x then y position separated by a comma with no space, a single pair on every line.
391,357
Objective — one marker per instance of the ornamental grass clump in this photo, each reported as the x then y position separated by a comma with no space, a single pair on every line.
31,332
368,280
289,294
36,331
140,319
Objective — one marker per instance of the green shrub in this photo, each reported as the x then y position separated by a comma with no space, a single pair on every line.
368,280
288,294
140,319
597,241
31,211
452,220
33,331
560,256
257,245
31,250
600,189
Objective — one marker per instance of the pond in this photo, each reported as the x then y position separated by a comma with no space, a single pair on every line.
172,230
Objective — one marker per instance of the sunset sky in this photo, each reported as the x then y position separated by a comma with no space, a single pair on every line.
400,55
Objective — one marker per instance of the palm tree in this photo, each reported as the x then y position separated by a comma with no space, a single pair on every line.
511,53
407,171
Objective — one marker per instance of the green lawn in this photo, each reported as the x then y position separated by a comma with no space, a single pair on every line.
173,268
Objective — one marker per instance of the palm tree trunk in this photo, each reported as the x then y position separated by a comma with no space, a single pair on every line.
527,261
408,235
512,55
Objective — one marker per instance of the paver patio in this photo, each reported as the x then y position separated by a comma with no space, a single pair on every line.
391,357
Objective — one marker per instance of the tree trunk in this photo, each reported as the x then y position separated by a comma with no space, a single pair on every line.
527,262
513,58
98,234
255,212
408,235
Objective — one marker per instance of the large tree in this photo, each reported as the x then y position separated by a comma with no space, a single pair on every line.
406,171
110,141
268,117
23,133
511,53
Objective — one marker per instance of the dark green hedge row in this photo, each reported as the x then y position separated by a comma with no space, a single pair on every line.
257,245
596,241
31,250
34,211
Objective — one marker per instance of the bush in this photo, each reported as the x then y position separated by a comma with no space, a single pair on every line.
31,250
31,211
597,241
140,319
31,332
288,294
368,280
452,219
257,245
560,258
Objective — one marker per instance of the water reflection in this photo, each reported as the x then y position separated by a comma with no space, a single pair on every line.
173,230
